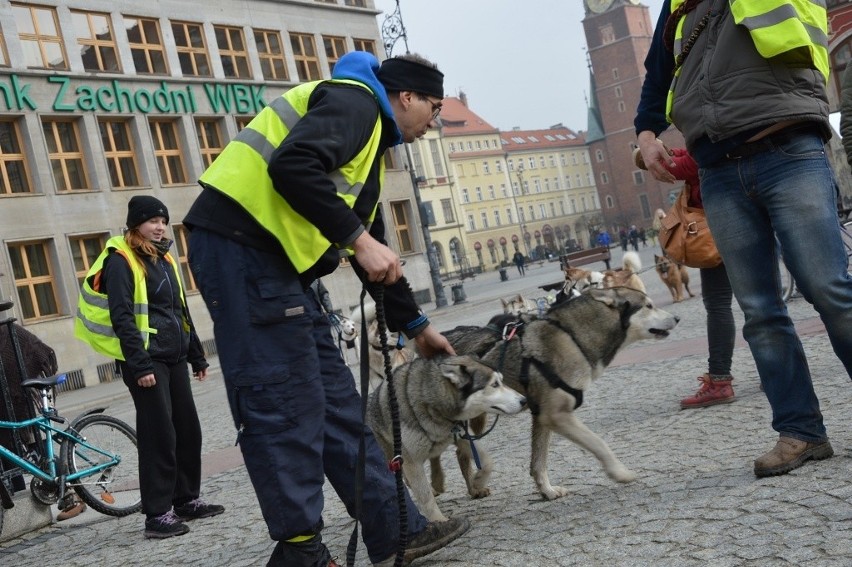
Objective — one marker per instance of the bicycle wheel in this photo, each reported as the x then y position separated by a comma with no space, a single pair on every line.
115,490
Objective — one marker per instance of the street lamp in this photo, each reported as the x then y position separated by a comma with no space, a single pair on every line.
521,223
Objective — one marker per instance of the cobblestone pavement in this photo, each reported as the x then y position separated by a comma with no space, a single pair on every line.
695,501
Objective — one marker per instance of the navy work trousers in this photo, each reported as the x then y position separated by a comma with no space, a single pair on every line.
292,397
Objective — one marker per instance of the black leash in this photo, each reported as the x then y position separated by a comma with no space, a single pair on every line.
396,463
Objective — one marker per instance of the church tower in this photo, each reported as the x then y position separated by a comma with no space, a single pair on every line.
618,36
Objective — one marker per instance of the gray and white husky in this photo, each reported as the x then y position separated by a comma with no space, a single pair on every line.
433,396
553,359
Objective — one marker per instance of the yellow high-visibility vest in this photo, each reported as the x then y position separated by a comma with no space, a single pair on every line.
92,323
240,172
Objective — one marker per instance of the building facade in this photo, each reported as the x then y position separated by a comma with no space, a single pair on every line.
103,100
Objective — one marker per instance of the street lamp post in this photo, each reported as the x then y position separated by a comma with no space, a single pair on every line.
392,30
521,223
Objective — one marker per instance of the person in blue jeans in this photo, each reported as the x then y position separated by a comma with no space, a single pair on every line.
297,189
757,126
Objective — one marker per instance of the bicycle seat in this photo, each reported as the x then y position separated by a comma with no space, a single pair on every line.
43,382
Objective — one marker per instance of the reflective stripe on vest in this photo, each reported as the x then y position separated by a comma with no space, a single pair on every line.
780,26
92,323
776,27
241,172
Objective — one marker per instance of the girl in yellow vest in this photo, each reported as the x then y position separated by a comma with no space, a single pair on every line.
152,337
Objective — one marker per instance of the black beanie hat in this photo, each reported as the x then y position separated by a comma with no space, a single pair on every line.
144,207
405,75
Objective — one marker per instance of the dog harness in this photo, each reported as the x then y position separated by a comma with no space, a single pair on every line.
552,378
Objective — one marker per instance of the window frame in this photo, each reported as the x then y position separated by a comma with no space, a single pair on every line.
42,39
267,57
32,310
146,48
181,235
207,150
402,226
95,42
305,63
83,263
193,53
333,44
118,157
21,158
64,156
165,156
232,55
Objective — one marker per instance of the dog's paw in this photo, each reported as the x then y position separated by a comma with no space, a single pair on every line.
479,492
621,474
554,492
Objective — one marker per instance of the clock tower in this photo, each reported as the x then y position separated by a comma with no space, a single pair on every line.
618,36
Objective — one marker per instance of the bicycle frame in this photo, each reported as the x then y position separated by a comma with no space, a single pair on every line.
53,433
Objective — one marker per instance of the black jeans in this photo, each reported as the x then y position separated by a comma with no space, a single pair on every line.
168,434
721,331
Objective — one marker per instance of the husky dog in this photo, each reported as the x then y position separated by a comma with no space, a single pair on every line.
398,350
628,275
433,395
674,275
553,360
517,305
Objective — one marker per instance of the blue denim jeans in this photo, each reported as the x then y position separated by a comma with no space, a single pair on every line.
788,191
291,396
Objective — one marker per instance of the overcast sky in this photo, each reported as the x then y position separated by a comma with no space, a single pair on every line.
520,62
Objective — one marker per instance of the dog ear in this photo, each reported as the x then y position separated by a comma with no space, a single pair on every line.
453,369
605,295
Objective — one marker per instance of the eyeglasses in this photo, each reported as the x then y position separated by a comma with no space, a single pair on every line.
436,106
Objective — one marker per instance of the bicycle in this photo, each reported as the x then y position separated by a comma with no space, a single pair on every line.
97,455
788,284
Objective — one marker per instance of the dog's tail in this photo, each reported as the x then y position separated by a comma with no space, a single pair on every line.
632,262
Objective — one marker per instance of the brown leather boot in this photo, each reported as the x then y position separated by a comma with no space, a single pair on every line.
789,454
714,390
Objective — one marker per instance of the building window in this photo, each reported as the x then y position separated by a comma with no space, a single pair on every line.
471,224
209,139
542,210
242,121
119,153
618,92
604,178
164,134
491,192
182,246
465,196
356,3
14,172
599,156
38,31
509,216
402,226
479,193
615,73
84,251
367,45
146,45
335,47
496,217
499,165
305,54
34,281
65,153
269,50
485,168
610,202
191,49
97,42
435,150
447,207
621,106
638,177
484,216
607,34
232,52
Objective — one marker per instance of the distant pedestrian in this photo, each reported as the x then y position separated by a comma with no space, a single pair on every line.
604,239
519,261
643,237
633,236
622,236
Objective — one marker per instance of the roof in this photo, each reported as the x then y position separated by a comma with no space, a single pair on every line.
459,120
554,138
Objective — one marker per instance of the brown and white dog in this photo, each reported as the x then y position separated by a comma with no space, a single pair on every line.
627,275
517,305
674,275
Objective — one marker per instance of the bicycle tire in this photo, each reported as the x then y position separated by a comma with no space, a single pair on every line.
113,491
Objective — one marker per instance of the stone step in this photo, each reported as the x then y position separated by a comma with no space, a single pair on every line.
27,515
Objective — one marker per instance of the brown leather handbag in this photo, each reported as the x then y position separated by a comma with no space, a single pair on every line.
685,236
